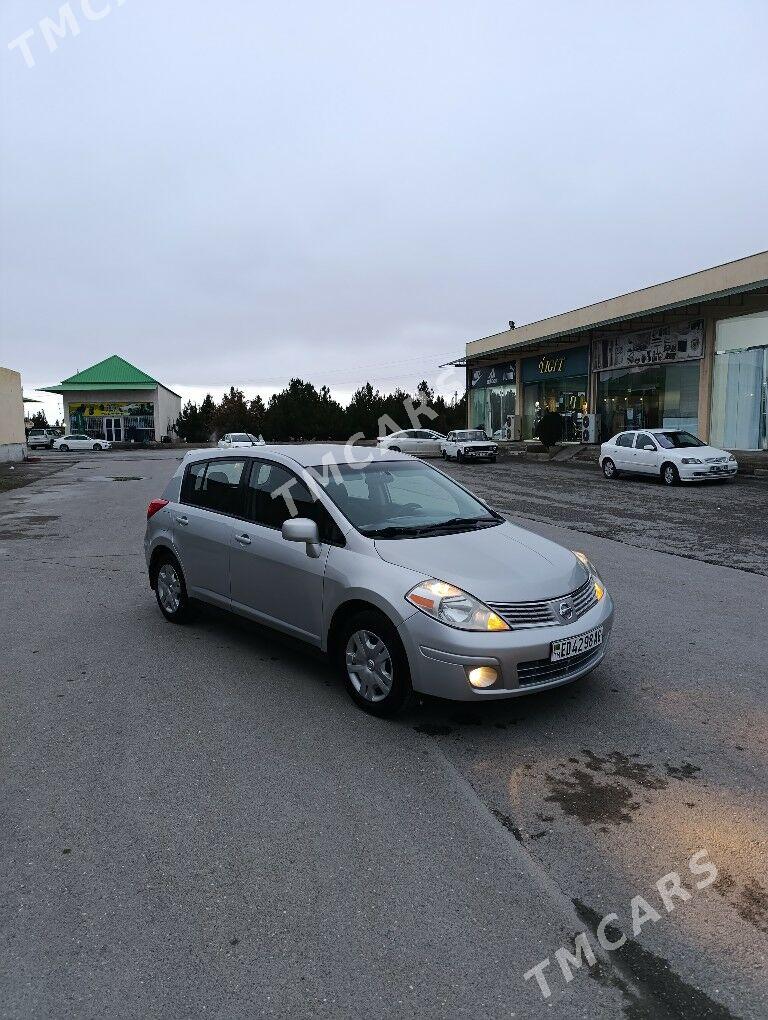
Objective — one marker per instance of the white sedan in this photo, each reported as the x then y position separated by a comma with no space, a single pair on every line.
468,444
670,454
238,440
419,442
79,441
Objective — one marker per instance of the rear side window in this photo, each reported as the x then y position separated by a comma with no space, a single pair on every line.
214,485
625,439
271,494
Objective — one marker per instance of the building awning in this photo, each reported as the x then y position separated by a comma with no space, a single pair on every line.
739,277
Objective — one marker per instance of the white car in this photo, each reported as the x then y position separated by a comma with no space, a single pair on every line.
79,441
42,438
238,440
419,442
670,454
469,444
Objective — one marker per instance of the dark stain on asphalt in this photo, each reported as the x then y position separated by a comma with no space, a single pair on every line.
433,729
750,901
661,994
508,824
682,771
591,802
615,797
22,527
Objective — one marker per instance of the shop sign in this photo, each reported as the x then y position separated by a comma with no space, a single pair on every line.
111,410
494,375
556,365
655,346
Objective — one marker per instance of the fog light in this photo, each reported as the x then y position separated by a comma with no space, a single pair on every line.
482,676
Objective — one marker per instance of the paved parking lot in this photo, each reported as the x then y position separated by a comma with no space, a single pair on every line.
197,821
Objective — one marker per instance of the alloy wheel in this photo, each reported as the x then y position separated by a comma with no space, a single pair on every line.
169,588
369,665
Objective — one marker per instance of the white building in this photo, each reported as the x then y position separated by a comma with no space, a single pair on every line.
12,434
118,402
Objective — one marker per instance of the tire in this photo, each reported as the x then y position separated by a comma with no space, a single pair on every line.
492,460
370,637
171,590
669,474
97,446
64,448
395,449
444,455
609,469
459,456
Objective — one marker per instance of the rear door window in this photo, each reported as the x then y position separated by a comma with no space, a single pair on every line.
625,439
215,485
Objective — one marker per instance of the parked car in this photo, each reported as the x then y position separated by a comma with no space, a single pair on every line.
405,578
468,444
79,441
673,455
41,438
419,442
239,440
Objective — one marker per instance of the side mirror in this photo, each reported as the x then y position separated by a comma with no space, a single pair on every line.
301,529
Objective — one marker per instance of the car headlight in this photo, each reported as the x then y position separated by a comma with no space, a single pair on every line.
597,582
454,607
692,460
731,457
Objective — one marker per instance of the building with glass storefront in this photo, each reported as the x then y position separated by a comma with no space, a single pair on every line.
690,353
115,401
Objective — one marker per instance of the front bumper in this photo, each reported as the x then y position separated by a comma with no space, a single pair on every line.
707,472
439,656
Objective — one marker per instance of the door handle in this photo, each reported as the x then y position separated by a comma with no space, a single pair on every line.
243,539
182,519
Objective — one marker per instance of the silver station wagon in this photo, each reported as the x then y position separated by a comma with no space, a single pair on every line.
406,579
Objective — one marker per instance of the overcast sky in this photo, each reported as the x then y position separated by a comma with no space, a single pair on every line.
236,192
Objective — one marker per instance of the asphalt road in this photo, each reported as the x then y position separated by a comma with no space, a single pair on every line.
197,822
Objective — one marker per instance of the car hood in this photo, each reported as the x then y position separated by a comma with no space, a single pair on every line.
702,452
502,564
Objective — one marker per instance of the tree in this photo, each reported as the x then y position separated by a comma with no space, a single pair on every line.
189,427
39,420
231,415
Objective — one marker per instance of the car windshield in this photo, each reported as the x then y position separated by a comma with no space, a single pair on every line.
399,499
471,435
677,440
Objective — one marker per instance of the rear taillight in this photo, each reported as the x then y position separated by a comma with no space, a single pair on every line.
154,506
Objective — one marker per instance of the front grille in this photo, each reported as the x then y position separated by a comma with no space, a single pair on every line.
542,671
715,460
520,615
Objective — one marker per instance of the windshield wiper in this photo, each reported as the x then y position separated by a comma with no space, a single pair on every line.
452,524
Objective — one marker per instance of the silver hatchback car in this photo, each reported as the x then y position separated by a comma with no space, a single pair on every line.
406,579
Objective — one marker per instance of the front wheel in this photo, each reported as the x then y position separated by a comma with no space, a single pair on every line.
97,446
395,449
492,459
669,475
609,469
171,591
459,456
373,664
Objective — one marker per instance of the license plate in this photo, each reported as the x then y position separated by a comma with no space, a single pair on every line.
718,470
567,647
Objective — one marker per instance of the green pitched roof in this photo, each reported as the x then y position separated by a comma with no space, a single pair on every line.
112,370
113,373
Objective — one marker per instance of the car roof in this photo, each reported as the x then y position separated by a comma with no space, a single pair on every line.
308,454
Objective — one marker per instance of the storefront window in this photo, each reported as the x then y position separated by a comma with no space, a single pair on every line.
492,397
740,383
656,396
556,384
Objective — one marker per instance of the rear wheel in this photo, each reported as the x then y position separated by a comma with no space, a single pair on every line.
669,474
171,591
64,447
609,469
373,664
395,449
